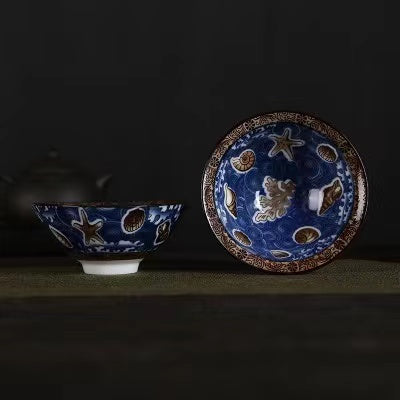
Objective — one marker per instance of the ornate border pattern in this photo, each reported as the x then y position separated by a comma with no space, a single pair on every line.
356,169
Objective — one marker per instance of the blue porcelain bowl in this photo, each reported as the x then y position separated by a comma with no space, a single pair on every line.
110,238
284,192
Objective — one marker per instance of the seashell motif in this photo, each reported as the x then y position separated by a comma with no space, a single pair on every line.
163,231
280,253
230,200
244,162
327,152
241,237
306,235
61,237
133,220
331,193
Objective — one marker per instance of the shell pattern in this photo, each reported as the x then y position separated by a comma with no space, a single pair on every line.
133,220
230,200
280,253
61,237
244,162
162,232
96,231
327,152
306,235
331,193
241,237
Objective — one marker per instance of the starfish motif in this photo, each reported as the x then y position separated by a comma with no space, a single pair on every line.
89,229
284,144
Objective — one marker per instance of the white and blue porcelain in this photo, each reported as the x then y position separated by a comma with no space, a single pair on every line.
109,238
284,192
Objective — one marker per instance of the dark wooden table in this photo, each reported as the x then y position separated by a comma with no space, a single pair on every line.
211,332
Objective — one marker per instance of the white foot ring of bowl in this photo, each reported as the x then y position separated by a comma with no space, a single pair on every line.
110,267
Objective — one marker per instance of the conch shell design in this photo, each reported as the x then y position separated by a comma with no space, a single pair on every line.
241,237
277,200
306,235
162,232
331,193
230,200
61,237
133,220
327,152
280,253
244,162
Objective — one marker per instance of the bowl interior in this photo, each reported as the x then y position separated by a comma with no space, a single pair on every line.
284,192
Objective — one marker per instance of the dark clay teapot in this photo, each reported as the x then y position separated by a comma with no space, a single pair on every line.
50,180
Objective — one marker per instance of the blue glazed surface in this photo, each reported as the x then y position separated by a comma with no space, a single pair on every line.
106,228
291,176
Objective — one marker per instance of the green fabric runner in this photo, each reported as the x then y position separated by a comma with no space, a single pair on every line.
49,278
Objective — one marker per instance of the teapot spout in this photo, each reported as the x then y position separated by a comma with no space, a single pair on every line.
103,181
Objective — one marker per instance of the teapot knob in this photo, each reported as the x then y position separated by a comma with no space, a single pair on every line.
53,153
103,181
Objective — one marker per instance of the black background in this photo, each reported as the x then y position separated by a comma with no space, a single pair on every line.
144,90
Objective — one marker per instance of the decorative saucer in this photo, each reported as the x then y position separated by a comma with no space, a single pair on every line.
284,192
110,238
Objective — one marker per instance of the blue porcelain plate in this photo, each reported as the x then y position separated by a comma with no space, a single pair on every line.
284,192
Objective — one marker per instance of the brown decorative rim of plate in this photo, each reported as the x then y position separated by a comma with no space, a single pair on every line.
356,168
